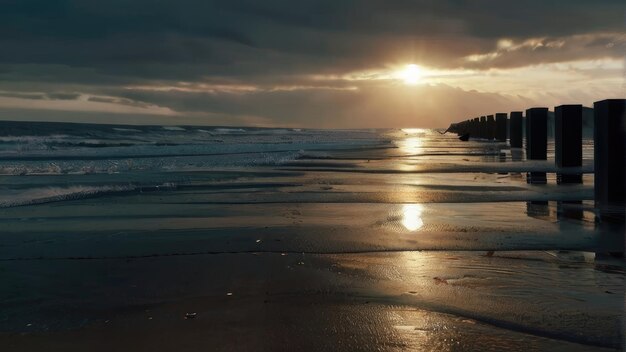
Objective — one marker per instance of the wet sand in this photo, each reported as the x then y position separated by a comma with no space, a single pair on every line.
271,301
418,243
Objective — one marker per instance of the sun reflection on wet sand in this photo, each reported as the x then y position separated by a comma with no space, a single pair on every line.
412,216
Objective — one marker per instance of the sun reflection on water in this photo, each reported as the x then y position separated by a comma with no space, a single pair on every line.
413,130
413,142
412,216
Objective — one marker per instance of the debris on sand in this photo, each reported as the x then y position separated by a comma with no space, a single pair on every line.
439,280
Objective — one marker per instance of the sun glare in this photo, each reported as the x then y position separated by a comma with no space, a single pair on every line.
412,217
411,74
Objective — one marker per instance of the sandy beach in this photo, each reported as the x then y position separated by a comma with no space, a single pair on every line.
313,175
381,240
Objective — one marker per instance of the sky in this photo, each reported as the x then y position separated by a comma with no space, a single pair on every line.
317,64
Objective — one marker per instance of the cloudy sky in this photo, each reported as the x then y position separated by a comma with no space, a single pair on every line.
324,63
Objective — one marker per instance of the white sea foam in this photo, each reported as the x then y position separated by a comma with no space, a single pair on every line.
30,139
39,195
62,169
302,154
229,130
55,194
126,129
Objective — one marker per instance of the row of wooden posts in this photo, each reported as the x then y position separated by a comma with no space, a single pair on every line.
609,142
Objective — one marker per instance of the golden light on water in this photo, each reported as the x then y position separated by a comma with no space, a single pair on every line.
412,216
413,130
411,75
413,141
411,145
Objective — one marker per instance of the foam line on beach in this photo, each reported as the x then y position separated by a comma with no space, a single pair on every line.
59,194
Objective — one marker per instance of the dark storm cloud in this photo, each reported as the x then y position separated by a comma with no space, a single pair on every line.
117,36
63,96
61,49
40,96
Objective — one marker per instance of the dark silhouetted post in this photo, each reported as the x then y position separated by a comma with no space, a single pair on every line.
515,130
568,141
476,127
609,143
536,140
483,127
501,127
610,174
491,127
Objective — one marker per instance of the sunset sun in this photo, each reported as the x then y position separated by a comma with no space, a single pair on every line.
411,74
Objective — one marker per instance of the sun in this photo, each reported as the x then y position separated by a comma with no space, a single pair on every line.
411,74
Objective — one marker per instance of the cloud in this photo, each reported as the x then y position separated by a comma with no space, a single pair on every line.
40,96
509,53
63,96
314,63
20,95
372,106
251,37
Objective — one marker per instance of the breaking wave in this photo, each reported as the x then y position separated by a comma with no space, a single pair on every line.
9,199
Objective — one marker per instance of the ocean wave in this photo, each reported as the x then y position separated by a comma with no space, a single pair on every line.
91,144
26,143
303,154
30,139
229,130
79,165
33,196
64,169
126,129
56,194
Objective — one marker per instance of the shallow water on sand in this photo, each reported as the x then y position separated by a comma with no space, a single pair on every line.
309,239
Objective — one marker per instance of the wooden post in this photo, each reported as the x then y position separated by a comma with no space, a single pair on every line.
501,127
483,127
536,141
609,143
515,130
568,141
491,127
